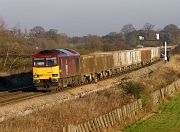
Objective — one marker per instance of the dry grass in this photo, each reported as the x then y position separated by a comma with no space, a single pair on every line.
174,62
72,112
162,77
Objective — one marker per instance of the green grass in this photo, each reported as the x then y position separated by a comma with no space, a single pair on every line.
167,119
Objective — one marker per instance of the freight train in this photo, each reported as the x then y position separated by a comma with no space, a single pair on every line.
65,67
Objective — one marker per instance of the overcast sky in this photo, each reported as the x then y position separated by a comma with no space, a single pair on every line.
82,17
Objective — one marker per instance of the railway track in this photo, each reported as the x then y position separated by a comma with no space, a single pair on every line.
20,94
12,92
17,98
17,95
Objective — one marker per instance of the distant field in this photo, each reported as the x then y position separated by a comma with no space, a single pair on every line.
167,119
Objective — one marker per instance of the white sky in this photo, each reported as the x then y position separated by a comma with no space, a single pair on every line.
82,17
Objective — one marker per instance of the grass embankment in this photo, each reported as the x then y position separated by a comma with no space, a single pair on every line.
166,119
71,112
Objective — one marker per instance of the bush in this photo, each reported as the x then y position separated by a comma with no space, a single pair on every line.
178,75
132,89
137,90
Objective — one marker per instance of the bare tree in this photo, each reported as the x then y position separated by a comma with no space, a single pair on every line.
93,43
52,33
2,24
11,52
127,29
4,35
17,30
170,34
113,41
37,31
171,28
148,27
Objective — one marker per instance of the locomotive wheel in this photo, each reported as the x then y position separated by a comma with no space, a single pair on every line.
46,85
60,85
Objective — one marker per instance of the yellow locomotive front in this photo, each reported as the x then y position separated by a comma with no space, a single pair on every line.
46,71
57,67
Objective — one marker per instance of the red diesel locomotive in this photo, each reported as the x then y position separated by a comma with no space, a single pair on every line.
51,66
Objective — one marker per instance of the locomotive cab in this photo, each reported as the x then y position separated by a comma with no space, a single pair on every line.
45,69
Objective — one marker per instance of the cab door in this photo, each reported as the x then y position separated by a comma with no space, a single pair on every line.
64,67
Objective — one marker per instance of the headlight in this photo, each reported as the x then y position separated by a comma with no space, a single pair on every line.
35,76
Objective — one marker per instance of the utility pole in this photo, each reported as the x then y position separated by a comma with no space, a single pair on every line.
165,51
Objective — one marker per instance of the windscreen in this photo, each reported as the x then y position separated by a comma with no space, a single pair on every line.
39,62
51,61
45,62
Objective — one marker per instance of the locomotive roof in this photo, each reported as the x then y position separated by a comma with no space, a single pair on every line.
60,52
67,52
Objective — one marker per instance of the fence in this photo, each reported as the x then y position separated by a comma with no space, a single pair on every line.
121,114
159,95
107,120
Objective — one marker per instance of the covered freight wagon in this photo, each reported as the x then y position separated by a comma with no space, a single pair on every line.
96,65
104,61
117,59
130,58
145,55
126,58
155,53
87,64
136,56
